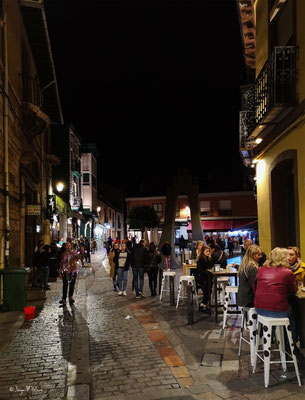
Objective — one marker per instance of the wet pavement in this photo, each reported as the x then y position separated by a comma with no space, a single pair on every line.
112,347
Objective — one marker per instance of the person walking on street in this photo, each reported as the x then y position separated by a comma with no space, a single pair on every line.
153,261
45,266
123,260
138,262
37,262
87,251
113,262
166,251
68,273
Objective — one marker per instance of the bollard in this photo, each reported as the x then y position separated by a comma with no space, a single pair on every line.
172,290
160,279
190,305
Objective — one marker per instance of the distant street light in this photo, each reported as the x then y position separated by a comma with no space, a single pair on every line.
59,186
98,209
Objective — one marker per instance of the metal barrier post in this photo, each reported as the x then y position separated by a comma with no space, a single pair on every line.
172,290
190,305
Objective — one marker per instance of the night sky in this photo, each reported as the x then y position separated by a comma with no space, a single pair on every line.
155,84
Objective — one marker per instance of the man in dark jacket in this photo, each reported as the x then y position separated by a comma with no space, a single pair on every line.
138,262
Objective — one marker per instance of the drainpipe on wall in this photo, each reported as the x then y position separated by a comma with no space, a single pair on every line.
5,136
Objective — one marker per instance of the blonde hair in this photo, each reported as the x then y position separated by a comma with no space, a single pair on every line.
248,260
199,241
278,257
296,250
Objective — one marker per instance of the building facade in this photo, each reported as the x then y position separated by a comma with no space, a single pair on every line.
272,126
29,104
219,212
67,189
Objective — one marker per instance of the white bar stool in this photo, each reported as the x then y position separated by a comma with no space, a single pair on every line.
279,323
167,274
228,296
190,280
222,283
248,321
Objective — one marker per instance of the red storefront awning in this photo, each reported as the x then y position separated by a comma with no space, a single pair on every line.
222,224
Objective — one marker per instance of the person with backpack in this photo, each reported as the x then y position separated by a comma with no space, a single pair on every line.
153,261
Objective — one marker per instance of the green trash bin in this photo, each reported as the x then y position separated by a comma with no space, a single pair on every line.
15,282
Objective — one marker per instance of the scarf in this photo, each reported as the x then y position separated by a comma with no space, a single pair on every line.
295,266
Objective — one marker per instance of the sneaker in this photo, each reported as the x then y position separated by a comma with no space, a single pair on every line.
141,294
120,293
138,296
124,293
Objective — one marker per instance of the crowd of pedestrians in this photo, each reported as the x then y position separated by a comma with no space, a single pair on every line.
140,258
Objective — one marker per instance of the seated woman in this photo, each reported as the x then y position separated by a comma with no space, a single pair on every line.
194,256
273,284
203,264
197,250
296,265
298,268
217,255
247,274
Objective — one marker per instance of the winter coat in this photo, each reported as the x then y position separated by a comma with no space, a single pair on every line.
203,264
245,294
272,286
153,261
166,249
139,256
113,260
219,257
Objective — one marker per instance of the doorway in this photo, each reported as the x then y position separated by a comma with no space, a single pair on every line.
284,204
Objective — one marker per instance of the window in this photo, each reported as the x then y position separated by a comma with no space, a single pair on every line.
93,181
205,208
178,210
158,207
86,179
225,207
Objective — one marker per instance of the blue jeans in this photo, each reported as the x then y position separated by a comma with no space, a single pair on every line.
122,278
44,276
138,273
273,314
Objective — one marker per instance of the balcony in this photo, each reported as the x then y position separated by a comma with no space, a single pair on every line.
34,121
271,98
32,92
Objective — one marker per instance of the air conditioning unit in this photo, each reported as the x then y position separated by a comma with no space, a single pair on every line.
31,3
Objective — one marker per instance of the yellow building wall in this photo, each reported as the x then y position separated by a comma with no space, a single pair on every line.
293,141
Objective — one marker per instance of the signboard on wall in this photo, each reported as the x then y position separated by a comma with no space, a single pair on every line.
33,209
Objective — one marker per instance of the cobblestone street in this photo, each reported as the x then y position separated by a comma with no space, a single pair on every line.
113,347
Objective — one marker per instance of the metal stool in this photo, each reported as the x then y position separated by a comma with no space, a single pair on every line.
228,291
190,280
222,283
163,285
279,323
248,321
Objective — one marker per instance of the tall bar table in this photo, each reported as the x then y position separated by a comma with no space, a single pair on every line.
214,276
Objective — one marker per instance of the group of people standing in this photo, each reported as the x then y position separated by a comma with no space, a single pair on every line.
140,259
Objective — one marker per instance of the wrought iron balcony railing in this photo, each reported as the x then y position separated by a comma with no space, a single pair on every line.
32,92
276,83
274,90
